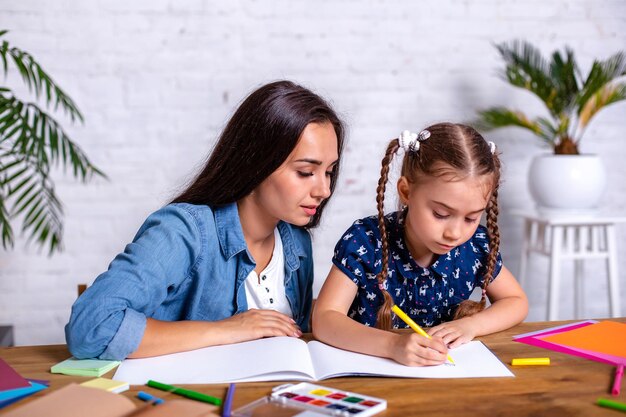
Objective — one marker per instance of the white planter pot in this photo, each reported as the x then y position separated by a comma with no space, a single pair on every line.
567,182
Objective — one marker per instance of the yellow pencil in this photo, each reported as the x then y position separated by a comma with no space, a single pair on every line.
413,325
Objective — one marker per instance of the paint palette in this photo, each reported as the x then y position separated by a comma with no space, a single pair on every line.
310,400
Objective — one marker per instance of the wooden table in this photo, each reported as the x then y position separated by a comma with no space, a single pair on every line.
568,387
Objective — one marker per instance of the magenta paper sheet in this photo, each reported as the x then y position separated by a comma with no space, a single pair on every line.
10,379
534,339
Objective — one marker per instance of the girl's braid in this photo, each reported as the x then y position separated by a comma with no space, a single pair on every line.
493,231
383,317
469,307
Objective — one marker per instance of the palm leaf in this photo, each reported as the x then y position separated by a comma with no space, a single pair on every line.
29,193
32,132
526,68
5,226
601,73
44,219
550,132
565,75
37,79
608,94
497,117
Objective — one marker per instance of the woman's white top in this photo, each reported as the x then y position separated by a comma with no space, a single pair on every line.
267,291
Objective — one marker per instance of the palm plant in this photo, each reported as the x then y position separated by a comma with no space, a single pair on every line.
571,99
31,143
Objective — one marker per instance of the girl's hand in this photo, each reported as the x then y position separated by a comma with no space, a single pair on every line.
256,324
411,349
454,333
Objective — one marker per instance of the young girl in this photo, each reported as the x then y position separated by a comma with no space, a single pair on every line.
229,259
426,258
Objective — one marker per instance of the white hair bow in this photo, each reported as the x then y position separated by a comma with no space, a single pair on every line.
410,142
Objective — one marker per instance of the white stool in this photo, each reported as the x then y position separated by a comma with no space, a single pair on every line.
575,237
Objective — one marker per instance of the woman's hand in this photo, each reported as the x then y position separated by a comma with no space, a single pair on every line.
256,324
411,349
454,333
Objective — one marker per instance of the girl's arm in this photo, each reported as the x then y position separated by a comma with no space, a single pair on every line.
332,325
162,337
509,307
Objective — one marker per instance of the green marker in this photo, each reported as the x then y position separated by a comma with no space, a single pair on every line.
616,405
198,396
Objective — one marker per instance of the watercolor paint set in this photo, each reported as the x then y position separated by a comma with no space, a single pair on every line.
310,400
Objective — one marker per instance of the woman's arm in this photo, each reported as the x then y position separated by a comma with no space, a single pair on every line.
162,337
332,325
111,320
509,307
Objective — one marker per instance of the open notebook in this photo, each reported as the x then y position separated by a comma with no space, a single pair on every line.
288,358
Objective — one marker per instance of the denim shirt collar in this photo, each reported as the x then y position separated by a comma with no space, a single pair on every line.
229,231
232,241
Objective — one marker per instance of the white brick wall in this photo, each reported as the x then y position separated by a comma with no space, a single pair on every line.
157,79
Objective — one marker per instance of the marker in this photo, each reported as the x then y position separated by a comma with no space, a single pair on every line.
228,402
616,405
142,395
413,325
530,361
198,396
617,382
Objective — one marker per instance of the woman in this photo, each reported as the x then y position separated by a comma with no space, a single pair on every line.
229,259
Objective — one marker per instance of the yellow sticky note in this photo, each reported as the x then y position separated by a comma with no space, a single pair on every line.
107,385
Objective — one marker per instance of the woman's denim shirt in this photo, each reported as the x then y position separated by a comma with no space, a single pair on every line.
187,262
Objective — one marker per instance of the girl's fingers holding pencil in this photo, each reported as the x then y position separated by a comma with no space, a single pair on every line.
412,349
436,344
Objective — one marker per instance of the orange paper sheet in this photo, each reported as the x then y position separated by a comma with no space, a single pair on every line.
607,337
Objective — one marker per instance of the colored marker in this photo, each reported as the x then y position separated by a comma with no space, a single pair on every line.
198,396
617,382
142,395
530,361
228,402
413,325
616,405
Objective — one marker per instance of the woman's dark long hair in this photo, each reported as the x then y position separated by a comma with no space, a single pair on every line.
257,139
